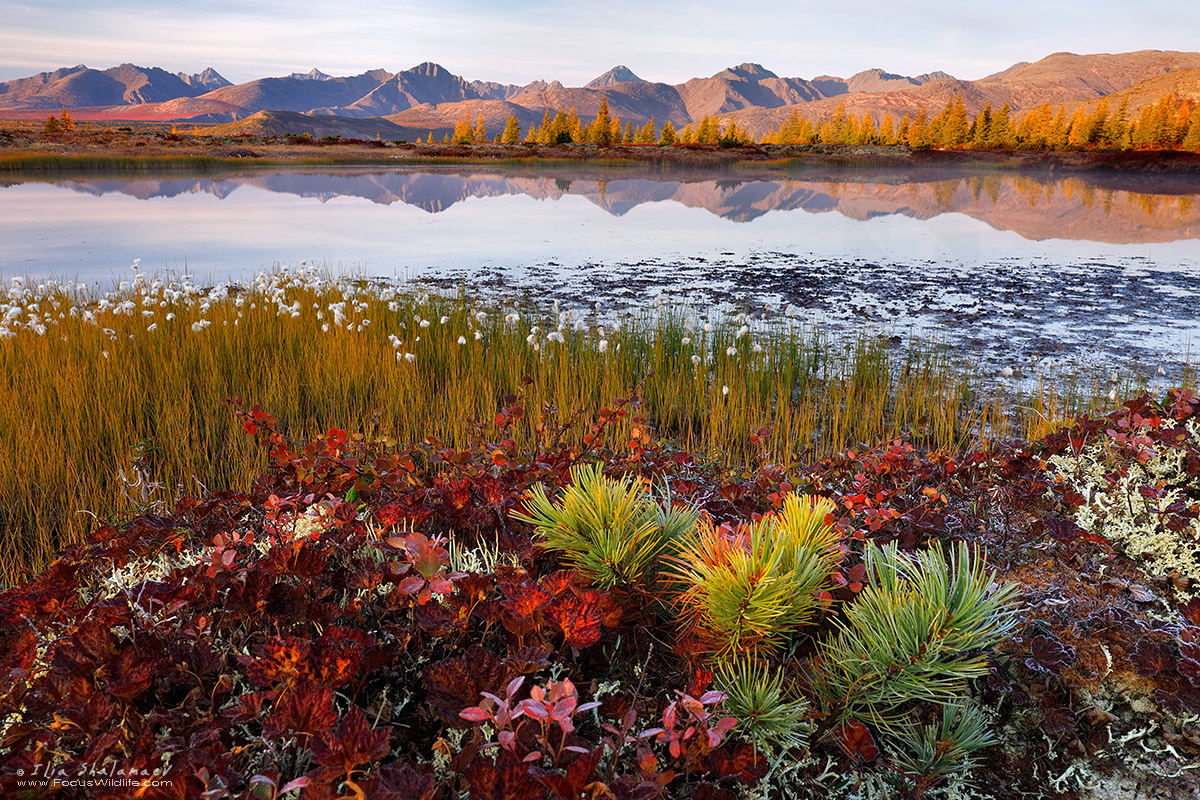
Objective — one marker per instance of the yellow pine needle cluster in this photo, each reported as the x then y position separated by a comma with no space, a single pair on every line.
610,529
744,591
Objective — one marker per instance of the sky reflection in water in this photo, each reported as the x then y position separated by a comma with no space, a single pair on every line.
1005,264
410,222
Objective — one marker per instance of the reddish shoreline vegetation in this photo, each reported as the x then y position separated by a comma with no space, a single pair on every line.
577,556
398,622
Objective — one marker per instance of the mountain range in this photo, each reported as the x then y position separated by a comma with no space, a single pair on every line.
428,97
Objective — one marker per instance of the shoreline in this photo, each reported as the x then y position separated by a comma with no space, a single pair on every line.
26,152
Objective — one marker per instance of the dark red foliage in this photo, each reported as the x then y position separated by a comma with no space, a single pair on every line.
856,740
1150,658
1049,655
335,660
353,743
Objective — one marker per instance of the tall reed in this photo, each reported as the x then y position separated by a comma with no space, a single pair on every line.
112,401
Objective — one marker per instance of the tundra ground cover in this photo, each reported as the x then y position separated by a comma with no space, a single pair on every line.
110,401
374,620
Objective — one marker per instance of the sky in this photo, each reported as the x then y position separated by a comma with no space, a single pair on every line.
520,41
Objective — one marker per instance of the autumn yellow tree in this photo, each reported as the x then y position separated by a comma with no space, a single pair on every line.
600,131
512,131
645,134
668,134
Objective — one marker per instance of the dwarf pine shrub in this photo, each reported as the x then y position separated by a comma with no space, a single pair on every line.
917,632
612,530
767,713
743,592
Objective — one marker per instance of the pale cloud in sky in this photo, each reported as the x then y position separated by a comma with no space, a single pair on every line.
525,40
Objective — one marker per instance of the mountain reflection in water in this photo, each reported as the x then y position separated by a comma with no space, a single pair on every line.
1036,208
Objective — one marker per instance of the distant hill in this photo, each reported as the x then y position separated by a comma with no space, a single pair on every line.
618,74
429,97
281,123
126,84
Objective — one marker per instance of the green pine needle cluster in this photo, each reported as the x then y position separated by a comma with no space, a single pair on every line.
612,530
768,714
929,754
917,632
744,592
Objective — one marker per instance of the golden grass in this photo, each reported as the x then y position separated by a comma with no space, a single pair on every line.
88,401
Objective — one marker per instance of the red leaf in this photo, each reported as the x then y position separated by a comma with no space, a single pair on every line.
1149,658
535,709
402,781
411,585
524,599
305,709
475,714
856,740
1191,611
1049,655
563,709
353,743
579,621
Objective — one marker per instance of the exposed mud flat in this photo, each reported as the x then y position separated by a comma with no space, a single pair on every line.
1009,313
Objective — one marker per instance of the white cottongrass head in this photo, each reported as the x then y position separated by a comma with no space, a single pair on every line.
603,346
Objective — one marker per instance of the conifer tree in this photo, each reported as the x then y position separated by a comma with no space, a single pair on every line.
600,131
1077,133
867,134
687,136
628,137
1117,133
1000,135
887,130
463,132
480,132
512,131
645,134
574,127
981,128
543,129
52,125
733,136
668,134
1191,138
918,131
954,123
66,123
1056,136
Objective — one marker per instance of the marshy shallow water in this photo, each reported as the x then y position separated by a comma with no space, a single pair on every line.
1013,268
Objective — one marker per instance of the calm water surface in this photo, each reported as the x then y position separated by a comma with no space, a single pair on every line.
1015,266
